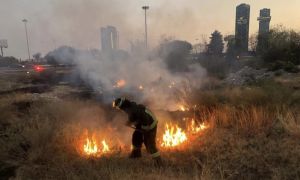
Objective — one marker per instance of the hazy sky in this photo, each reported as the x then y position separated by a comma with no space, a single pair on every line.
77,22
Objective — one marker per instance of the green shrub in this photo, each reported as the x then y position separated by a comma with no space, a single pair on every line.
281,49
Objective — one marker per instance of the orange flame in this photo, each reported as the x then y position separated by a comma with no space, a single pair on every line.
183,108
92,147
120,83
194,128
105,147
173,136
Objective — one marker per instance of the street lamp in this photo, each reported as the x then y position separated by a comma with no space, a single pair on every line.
25,23
146,33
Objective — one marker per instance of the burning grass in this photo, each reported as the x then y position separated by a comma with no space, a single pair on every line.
176,136
225,136
92,147
173,136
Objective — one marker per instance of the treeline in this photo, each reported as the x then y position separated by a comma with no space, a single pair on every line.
8,61
277,49
280,49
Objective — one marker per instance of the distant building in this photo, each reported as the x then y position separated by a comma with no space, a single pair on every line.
264,28
242,27
109,39
264,20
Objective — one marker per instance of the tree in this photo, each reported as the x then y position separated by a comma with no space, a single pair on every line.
216,44
231,51
253,42
37,56
176,54
262,43
62,55
281,49
8,61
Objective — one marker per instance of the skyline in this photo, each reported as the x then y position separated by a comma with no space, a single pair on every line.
52,23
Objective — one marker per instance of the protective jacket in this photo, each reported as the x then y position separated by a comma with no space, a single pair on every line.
146,126
142,118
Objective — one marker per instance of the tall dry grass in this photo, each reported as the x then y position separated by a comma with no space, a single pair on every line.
41,143
254,134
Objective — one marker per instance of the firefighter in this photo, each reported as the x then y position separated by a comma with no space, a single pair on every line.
145,124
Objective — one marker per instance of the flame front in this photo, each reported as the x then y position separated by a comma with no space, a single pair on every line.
194,128
105,147
90,147
93,148
173,136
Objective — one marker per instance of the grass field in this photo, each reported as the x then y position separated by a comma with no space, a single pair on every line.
253,133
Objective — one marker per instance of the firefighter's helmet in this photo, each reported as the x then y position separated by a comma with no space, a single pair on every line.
119,103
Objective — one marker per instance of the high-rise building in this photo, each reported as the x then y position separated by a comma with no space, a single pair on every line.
264,20
109,38
242,27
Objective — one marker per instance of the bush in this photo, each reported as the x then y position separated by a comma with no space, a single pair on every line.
176,53
291,67
62,55
216,66
281,49
8,61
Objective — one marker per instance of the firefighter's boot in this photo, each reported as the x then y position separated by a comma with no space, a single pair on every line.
136,153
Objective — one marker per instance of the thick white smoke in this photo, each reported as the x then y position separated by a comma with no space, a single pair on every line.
141,78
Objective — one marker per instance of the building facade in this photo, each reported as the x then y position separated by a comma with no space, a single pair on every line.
264,21
109,39
242,27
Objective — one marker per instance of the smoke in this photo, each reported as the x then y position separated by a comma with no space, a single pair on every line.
78,22
149,78
145,78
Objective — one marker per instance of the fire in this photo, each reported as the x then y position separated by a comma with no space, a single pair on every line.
173,136
90,147
120,83
194,128
105,147
183,108
93,148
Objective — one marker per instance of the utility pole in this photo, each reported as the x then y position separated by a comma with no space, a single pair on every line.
25,23
146,31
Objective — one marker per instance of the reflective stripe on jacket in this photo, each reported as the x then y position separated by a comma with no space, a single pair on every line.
153,124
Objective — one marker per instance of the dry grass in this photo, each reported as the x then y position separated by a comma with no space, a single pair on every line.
41,143
254,134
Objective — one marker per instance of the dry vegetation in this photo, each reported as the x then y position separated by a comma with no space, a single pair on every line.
254,134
